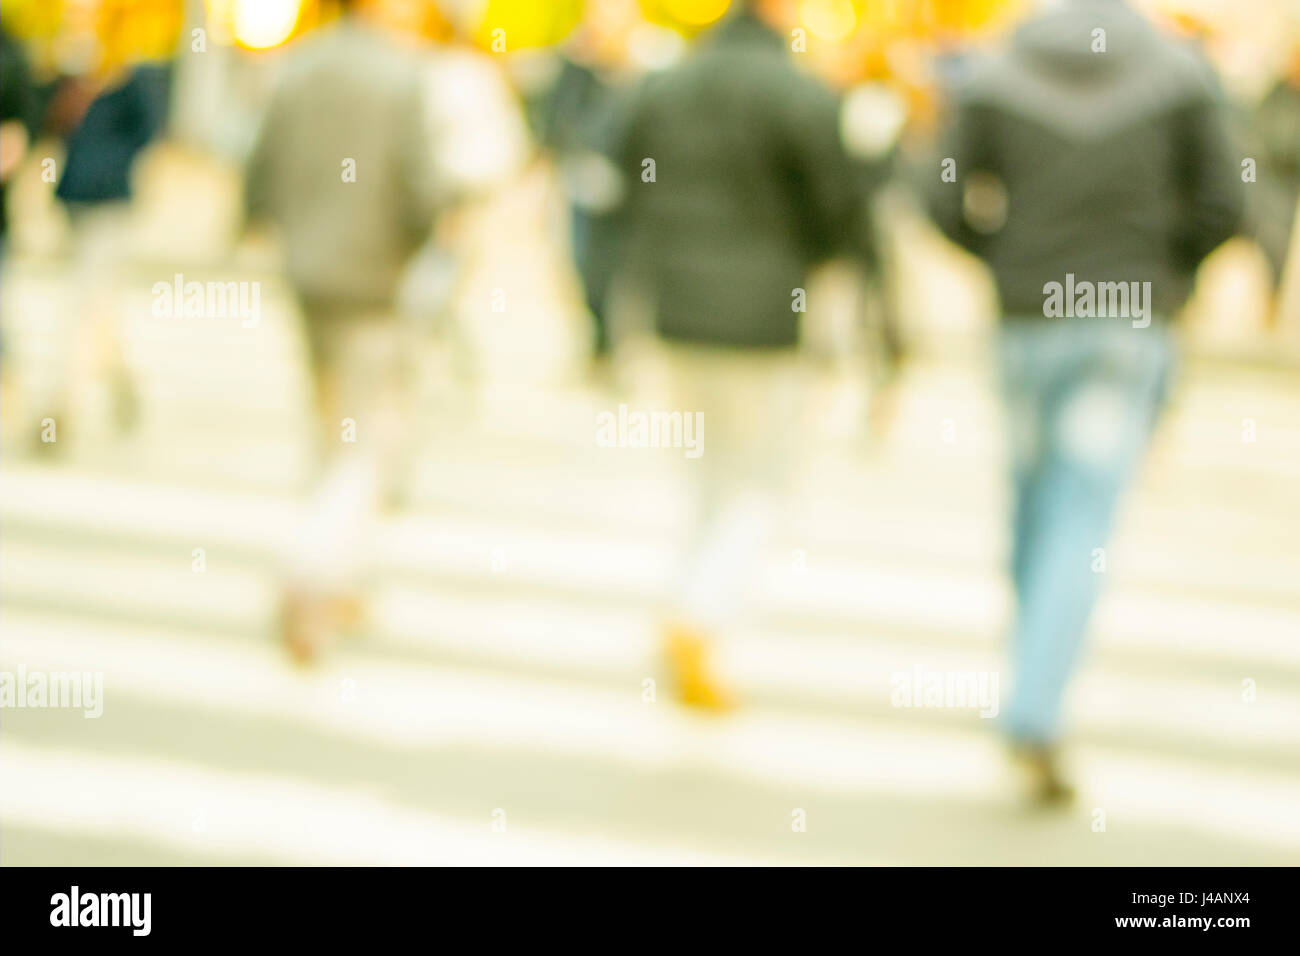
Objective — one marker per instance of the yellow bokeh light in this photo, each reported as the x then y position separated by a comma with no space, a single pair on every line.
695,13
259,24
828,19
508,25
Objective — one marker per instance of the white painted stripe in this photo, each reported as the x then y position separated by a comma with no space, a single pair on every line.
878,593
189,808
103,578
1191,626
398,704
844,668
71,500
871,508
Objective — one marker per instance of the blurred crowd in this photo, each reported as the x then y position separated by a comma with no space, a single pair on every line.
727,188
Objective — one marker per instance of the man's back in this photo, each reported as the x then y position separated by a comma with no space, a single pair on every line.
1107,140
751,186
341,165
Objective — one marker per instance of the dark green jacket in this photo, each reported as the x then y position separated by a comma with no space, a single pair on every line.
751,187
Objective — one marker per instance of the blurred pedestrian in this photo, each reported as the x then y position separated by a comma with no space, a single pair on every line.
342,167
737,182
15,137
15,117
572,117
1276,134
111,113
1092,174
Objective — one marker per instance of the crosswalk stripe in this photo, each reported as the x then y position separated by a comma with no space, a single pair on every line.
872,598
225,814
398,704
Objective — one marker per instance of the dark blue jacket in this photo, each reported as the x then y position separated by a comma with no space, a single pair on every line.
117,125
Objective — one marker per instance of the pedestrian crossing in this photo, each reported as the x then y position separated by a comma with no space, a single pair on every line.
167,803
415,719
494,706
501,673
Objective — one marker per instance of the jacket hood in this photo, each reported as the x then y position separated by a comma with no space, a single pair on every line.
1057,72
742,28
1065,41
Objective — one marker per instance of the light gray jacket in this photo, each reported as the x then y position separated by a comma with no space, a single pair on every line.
348,100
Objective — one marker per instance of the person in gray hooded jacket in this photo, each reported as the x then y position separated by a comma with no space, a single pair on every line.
1088,166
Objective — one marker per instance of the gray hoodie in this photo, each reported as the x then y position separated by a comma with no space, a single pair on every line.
1107,141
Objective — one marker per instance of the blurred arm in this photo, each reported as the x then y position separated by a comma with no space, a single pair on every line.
257,172
960,141
1209,180
415,166
15,107
836,187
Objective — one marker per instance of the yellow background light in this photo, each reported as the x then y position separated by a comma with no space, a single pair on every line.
259,24
32,18
528,23
828,19
695,13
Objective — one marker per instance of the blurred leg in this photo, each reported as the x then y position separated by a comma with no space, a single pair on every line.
1021,385
360,383
749,403
1096,418
92,358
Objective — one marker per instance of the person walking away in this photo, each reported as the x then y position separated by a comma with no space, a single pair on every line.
571,117
1092,175
15,137
116,114
736,184
341,166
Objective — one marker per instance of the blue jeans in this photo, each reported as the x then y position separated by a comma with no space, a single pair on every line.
1082,396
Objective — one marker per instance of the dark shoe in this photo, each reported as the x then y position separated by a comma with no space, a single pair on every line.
1040,769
